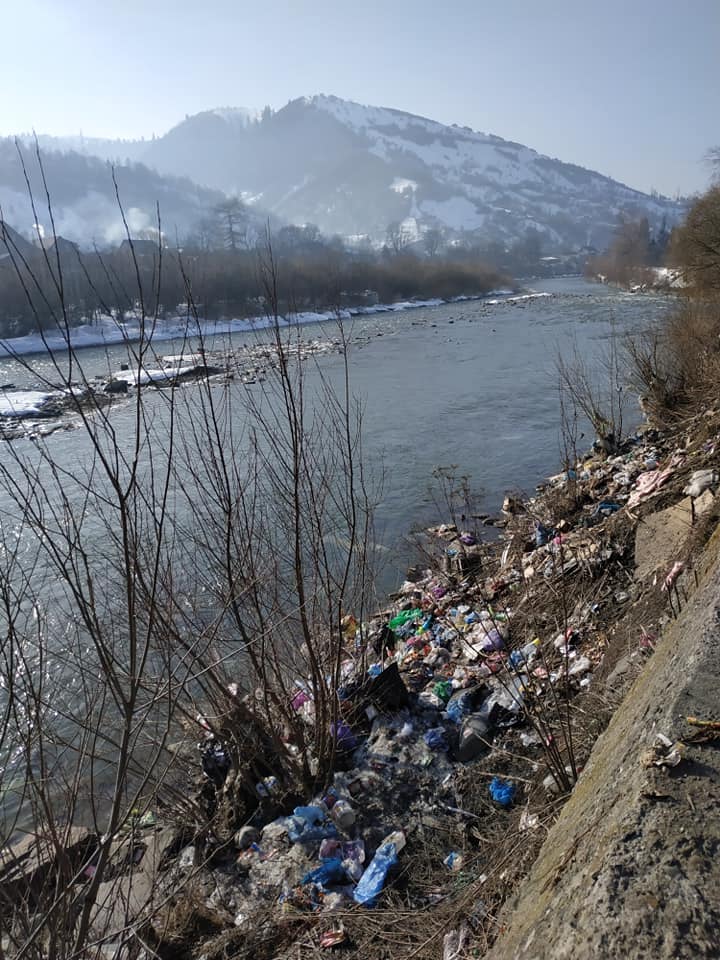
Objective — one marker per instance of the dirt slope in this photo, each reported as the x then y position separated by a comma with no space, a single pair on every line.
631,869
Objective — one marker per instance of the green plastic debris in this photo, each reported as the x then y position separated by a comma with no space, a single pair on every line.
403,617
443,690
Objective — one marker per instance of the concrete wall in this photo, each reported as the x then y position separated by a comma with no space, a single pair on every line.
632,866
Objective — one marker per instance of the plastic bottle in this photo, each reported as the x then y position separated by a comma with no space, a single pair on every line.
530,650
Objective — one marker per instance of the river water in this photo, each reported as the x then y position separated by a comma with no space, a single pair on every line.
471,384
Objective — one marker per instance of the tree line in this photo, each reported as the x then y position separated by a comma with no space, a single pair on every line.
222,278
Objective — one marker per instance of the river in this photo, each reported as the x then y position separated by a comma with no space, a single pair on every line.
471,384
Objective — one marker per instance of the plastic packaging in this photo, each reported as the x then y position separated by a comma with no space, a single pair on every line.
454,861
701,481
493,641
502,791
373,879
542,534
328,873
456,710
403,617
526,653
344,737
435,739
308,824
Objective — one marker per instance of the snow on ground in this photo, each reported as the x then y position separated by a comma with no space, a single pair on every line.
21,403
109,332
156,375
457,212
669,277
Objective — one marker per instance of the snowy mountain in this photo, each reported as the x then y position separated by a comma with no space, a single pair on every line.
354,169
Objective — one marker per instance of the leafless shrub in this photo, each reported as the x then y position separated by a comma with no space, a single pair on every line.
198,556
596,388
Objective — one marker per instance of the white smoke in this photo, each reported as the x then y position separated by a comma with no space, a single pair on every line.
92,221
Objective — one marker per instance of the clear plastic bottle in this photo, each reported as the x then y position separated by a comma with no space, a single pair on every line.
531,650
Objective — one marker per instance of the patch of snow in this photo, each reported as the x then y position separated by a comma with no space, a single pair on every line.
401,185
456,212
154,375
21,403
108,331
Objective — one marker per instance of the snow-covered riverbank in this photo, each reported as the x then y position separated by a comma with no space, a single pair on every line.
106,331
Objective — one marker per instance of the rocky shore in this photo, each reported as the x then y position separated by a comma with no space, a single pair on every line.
40,412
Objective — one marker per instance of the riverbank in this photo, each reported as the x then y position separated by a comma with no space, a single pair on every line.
107,331
469,707
502,664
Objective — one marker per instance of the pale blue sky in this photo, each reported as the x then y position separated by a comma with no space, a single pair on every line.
627,87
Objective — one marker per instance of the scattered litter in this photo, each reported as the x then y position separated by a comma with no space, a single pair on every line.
373,879
454,943
333,938
454,861
665,753
528,821
700,481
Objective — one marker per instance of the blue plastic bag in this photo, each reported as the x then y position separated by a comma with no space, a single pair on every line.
330,871
502,791
455,710
435,739
308,824
373,879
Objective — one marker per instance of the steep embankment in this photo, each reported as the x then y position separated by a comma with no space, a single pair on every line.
630,868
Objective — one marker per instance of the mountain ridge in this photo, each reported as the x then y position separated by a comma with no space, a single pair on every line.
359,170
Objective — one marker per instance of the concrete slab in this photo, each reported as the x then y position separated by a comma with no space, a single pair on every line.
659,538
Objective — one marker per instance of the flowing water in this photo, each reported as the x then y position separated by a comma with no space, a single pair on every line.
472,385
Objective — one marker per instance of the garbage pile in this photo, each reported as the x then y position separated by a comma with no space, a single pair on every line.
473,661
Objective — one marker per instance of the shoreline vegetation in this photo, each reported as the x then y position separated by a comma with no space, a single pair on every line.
287,751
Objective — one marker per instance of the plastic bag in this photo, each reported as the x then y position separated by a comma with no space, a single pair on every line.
502,791
435,739
400,619
373,879
328,873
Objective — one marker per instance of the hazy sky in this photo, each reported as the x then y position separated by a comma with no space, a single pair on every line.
627,87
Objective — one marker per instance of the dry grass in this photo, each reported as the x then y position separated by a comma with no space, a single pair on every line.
676,366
